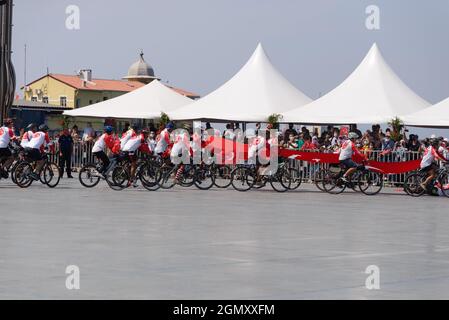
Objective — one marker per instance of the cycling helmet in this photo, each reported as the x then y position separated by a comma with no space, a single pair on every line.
170,125
31,126
145,131
353,135
108,129
43,127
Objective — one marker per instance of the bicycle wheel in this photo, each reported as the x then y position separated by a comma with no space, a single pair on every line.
412,185
318,178
13,169
281,180
166,177
443,179
222,176
187,178
242,179
370,182
22,174
295,178
148,176
51,174
89,177
332,183
118,179
204,178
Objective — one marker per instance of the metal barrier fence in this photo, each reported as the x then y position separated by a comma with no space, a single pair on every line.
82,154
309,169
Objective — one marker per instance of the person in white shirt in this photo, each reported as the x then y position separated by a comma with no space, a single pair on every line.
347,150
163,140
6,158
35,149
88,133
428,164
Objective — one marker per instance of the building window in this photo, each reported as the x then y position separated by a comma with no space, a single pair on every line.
63,101
91,102
105,98
34,98
77,103
45,100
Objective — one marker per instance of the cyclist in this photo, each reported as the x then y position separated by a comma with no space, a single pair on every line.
35,149
428,162
128,134
136,143
347,150
105,141
163,140
181,149
28,134
6,158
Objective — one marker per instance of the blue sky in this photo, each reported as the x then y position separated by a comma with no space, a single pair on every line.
199,44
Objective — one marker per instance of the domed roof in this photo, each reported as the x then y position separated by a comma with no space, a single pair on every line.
140,70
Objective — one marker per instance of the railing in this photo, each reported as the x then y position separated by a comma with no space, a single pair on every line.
309,169
82,154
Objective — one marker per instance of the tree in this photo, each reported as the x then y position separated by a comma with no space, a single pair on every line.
396,125
274,119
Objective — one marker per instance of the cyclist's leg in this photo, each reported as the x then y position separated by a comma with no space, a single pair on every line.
431,174
351,168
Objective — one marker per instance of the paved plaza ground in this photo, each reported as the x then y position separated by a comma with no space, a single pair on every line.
220,244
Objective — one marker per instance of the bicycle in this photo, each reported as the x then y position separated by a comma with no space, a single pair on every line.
413,181
49,175
368,180
245,177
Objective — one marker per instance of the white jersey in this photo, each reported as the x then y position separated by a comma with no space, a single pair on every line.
102,143
444,152
254,147
125,138
162,142
133,144
38,140
346,150
26,139
181,144
429,157
5,136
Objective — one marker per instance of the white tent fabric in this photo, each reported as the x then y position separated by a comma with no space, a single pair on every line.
434,116
255,92
373,93
146,102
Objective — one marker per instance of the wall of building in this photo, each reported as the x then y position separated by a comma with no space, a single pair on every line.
53,89
87,97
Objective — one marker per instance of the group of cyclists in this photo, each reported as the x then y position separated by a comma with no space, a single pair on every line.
33,141
134,143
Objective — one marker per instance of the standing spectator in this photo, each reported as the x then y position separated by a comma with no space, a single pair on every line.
289,131
152,140
65,152
353,128
292,142
88,133
387,142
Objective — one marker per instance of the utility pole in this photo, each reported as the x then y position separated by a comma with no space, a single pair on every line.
7,73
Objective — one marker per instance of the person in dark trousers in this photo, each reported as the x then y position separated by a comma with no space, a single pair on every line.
65,152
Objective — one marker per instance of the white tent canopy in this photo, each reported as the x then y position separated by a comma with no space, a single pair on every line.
373,93
434,116
146,102
255,92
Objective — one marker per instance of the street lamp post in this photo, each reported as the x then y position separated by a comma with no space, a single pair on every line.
7,74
